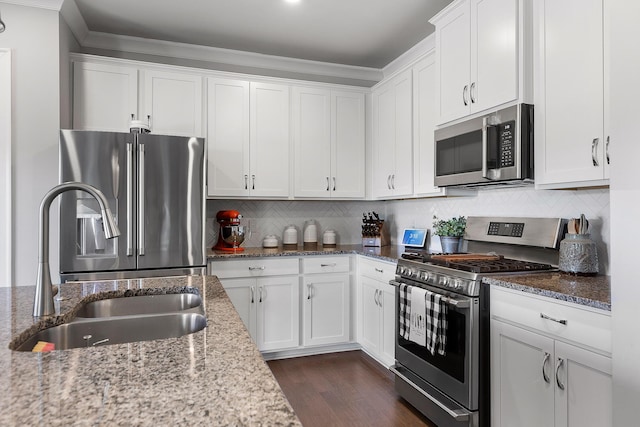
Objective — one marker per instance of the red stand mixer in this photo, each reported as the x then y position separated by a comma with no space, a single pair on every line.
231,234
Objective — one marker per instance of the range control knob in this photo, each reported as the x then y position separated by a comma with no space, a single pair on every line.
444,281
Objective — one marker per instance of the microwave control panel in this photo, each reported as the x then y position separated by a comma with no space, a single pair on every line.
507,144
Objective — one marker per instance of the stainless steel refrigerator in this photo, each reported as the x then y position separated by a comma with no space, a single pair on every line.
155,185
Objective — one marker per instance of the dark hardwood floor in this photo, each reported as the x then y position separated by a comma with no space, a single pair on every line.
343,389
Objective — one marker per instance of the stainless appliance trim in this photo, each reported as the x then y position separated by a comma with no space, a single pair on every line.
458,303
141,193
460,414
132,274
129,198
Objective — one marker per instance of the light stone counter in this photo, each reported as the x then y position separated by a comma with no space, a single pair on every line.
214,377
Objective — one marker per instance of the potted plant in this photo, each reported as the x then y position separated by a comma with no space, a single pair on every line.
450,232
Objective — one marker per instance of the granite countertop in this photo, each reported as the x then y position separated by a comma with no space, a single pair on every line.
385,253
589,291
215,376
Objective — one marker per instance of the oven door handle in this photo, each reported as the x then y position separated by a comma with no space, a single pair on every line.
454,302
456,414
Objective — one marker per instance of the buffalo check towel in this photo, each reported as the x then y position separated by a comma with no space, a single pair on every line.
405,311
436,317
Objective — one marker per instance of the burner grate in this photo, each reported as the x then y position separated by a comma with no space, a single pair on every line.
496,266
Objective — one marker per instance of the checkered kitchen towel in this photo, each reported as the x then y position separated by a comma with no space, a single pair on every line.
436,323
405,311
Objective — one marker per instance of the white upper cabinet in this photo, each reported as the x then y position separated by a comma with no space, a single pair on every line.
424,123
269,135
247,139
571,125
392,170
478,56
328,136
173,103
105,96
228,137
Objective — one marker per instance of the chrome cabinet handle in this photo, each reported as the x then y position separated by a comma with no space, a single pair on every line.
464,94
375,298
473,86
130,197
252,294
246,182
141,192
309,291
594,151
327,183
379,270
333,264
544,364
256,268
334,183
260,293
253,182
389,182
561,321
560,363
607,148
149,121
393,181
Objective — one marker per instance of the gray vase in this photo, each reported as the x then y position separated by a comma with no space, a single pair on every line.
449,244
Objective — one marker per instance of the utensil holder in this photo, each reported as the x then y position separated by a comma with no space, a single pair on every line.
578,255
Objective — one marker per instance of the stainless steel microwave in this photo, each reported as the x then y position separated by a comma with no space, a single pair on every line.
496,148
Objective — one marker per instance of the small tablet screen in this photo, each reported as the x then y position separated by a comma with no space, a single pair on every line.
414,237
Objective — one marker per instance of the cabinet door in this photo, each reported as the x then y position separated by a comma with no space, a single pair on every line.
370,312
242,293
453,47
586,399
104,96
387,298
522,387
384,139
228,137
326,309
424,123
269,135
312,141
347,145
278,313
570,96
402,177
494,53
173,103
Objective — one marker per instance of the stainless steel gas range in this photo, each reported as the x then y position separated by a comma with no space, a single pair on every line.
442,345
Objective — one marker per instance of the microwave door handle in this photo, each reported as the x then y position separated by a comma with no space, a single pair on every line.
485,125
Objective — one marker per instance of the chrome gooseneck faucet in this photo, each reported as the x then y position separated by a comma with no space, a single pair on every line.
43,302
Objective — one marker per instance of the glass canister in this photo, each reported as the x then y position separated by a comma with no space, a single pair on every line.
578,255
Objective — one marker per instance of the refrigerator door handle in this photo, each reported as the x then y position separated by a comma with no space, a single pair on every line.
129,198
141,212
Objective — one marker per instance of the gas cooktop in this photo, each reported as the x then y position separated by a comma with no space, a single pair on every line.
477,263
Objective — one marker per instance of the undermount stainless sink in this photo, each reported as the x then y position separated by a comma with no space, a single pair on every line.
146,304
124,320
117,330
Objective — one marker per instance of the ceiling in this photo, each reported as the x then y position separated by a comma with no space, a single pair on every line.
364,33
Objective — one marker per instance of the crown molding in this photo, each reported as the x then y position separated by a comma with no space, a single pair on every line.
42,4
411,56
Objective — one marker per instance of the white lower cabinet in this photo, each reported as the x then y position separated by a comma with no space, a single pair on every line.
267,299
325,309
376,321
540,379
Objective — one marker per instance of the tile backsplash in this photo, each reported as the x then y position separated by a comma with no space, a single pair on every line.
345,217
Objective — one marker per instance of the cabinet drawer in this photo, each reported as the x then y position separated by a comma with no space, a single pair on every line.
377,270
255,267
330,264
584,326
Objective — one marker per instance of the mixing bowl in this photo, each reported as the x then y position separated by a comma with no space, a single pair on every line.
233,234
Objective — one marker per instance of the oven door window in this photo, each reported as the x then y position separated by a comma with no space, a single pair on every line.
453,361
459,154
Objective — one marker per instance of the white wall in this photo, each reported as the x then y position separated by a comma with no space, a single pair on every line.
625,209
32,35
5,168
